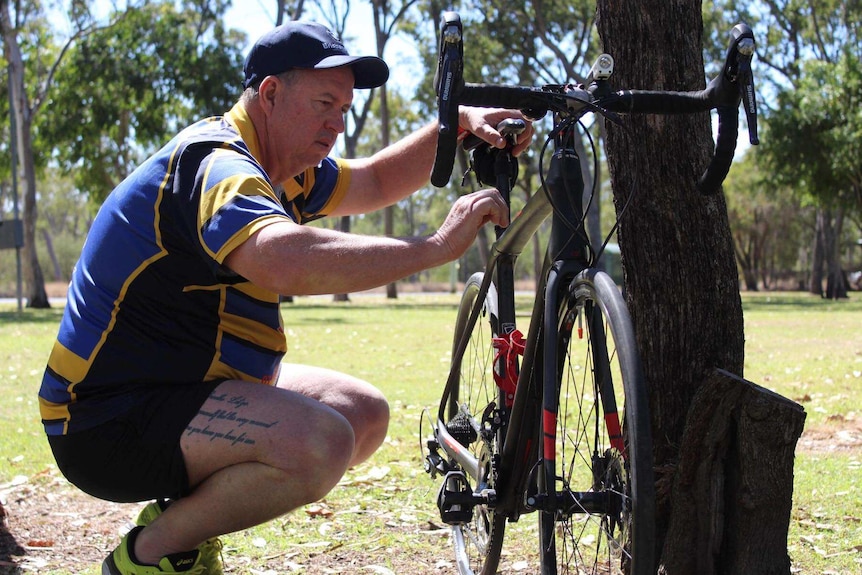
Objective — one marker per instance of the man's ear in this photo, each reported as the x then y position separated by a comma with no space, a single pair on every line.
267,93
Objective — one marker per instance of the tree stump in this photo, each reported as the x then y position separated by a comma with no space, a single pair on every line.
733,486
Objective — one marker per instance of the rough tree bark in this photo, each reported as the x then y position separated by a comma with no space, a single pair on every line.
682,289
734,482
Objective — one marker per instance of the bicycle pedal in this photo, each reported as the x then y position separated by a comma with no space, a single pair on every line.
455,499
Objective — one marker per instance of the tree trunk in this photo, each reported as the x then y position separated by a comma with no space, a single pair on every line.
55,263
677,253
21,115
836,285
815,285
389,217
381,13
344,226
734,482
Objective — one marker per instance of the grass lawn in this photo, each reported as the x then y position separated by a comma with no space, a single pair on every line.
383,517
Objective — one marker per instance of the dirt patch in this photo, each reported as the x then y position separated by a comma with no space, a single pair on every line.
56,289
839,434
48,525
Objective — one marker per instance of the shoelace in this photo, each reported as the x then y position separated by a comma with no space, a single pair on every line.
211,549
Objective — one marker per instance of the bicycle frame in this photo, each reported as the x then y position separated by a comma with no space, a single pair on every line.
565,258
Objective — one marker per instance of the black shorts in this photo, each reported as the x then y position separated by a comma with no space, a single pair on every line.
136,456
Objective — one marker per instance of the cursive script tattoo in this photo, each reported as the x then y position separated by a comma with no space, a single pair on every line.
235,435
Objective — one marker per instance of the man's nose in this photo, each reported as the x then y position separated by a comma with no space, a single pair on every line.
336,122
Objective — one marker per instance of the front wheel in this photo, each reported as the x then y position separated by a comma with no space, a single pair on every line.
599,513
474,417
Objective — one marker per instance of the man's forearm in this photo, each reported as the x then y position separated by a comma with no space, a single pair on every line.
302,260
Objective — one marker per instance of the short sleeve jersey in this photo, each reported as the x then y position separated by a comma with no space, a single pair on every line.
150,300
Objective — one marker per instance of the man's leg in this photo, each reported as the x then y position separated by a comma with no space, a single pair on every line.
255,452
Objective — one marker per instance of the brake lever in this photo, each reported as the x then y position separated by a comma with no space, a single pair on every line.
738,70
448,82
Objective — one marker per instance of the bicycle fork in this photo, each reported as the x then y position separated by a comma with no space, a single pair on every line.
545,497
569,248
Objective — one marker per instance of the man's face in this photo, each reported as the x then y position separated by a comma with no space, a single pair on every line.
306,118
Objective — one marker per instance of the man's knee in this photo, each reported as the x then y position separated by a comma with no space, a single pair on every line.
330,440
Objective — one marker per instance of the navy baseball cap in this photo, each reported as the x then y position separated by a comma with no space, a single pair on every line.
308,45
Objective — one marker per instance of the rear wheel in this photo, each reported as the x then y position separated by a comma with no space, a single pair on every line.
474,418
599,517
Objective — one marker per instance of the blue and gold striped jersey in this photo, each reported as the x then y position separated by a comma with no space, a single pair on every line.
150,300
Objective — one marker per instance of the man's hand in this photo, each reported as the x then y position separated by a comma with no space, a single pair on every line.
483,122
467,215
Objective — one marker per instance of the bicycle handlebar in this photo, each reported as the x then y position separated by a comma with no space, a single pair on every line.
733,85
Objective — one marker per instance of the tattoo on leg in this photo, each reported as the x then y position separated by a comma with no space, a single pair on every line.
233,400
233,436
229,436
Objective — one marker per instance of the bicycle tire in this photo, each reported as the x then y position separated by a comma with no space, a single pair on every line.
476,392
614,531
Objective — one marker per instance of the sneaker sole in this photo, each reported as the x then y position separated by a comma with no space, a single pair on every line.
109,567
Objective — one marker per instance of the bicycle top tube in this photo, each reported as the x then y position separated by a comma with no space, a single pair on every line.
724,93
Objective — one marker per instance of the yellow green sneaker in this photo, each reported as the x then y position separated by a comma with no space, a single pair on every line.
120,561
210,550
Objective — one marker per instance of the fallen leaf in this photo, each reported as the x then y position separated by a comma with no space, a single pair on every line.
318,510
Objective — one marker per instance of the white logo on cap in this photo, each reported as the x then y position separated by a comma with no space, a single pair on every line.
335,44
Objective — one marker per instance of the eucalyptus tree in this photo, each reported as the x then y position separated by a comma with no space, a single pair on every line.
809,53
535,43
94,96
126,88
388,17
815,137
32,55
766,222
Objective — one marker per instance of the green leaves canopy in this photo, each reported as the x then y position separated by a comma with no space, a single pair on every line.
815,136
124,89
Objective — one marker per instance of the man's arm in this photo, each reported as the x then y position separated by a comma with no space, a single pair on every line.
291,259
402,168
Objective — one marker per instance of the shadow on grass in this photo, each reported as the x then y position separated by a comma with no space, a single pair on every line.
9,314
799,301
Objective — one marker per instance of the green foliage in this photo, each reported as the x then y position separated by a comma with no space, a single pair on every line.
124,89
814,138
34,37
807,71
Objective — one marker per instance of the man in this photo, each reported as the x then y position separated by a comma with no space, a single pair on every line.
166,381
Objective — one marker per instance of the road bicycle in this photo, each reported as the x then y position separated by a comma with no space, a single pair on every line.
555,422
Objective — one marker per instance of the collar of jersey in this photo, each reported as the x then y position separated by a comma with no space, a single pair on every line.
239,119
